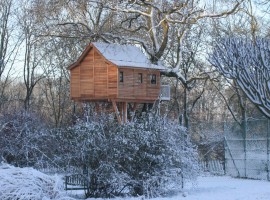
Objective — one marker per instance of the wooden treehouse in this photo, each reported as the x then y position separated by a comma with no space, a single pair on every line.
120,74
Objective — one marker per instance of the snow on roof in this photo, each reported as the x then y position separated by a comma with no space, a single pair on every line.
125,55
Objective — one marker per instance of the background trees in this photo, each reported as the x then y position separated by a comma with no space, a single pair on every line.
53,34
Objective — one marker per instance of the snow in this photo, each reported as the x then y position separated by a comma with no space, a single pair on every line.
220,188
28,183
227,188
125,56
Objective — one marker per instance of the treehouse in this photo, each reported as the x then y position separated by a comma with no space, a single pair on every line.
119,74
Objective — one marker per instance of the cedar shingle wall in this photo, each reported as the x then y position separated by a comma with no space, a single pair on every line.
97,79
86,76
100,77
112,81
131,88
75,82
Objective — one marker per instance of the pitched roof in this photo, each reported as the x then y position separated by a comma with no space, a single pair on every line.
121,55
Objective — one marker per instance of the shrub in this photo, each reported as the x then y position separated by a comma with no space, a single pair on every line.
140,158
21,136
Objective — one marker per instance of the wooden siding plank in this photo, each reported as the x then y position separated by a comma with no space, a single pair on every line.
75,82
101,76
132,89
97,79
112,81
86,76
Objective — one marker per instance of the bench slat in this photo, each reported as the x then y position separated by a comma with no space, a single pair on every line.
76,180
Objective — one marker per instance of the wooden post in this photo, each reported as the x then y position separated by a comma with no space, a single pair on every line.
244,130
133,109
116,112
121,110
97,107
124,119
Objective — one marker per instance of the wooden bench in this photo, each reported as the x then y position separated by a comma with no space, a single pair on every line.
76,182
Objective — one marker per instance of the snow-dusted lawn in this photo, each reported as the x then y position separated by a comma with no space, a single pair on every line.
27,183
227,188
221,188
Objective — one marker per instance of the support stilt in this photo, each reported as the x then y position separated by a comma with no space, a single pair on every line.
134,107
121,110
124,119
116,112
133,110
97,107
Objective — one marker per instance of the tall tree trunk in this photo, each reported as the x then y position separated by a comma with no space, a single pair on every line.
186,117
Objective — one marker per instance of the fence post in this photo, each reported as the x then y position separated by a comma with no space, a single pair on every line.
244,132
267,151
228,147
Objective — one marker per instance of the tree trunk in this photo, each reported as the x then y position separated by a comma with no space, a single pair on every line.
186,117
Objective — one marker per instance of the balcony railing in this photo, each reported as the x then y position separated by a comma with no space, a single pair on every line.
165,93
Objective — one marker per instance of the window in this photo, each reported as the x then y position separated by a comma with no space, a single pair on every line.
153,79
140,78
121,77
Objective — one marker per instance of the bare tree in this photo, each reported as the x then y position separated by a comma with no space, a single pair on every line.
150,24
9,44
163,28
54,88
5,8
246,24
32,54
80,21
246,62
193,70
153,23
159,27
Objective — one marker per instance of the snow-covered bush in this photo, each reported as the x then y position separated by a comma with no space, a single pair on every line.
29,184
22,136
26,141
139,158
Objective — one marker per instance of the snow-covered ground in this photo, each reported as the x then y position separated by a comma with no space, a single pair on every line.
27,183
221,188
227,188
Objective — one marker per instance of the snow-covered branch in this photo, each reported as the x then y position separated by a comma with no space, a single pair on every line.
247,62
224,13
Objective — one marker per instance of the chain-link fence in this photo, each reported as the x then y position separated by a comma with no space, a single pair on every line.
247,149
209,138
242,149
